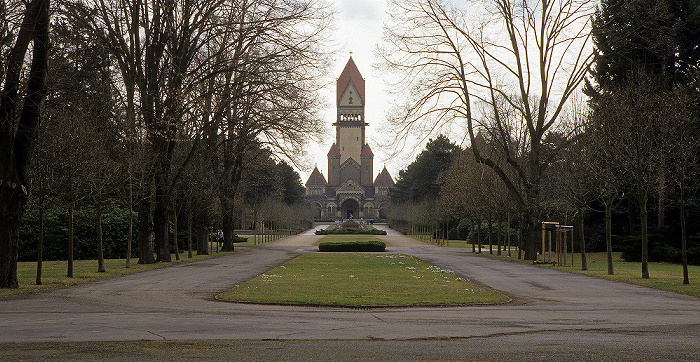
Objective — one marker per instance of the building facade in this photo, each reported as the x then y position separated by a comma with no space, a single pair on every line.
350,192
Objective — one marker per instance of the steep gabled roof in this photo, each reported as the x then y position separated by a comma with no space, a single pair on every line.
366,151
384,179
334,151
350,73
316,179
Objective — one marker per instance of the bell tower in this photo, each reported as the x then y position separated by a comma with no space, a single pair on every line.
350,191
350,120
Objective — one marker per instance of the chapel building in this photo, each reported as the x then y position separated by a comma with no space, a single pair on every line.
350,191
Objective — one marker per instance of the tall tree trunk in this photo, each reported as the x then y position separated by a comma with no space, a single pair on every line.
145,229
69,274
490,230
175,242
478,235
40,247
228,222
189,226
608,234
131,224
203,234
520,237
12,203
661,216
643,218
684,237
160,225
582,242
16,143
531,236
473,240
499,229
508,233
100,246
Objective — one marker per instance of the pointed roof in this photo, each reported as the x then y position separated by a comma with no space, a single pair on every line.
334,151
316,178
366,151
350,73
384,179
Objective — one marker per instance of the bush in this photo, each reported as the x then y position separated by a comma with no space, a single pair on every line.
354,246
237,239
659,250
350,224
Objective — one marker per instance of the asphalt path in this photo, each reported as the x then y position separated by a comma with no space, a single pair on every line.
174,310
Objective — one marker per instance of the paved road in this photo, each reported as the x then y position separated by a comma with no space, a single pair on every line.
551,311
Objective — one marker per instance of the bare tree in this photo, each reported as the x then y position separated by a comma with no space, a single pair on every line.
524,57
636,131
685,153
19,120
268,84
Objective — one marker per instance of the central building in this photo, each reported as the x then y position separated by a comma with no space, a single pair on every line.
351,192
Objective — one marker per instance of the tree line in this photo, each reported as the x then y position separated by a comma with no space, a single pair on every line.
169,113
567,107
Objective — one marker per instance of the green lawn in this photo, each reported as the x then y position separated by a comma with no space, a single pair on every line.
54,272
361,280
664,276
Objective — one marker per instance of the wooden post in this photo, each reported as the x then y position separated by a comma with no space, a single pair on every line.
543,237
549,245
571,232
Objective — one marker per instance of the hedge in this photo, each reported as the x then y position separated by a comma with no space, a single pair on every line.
354,246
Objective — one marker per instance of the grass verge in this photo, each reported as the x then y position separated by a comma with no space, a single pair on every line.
663,276
362,280
54,272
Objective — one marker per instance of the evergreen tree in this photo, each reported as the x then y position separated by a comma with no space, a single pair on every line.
646,50
418,181
658,37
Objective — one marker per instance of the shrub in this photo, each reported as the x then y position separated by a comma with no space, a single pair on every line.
350,224
238,239
354,246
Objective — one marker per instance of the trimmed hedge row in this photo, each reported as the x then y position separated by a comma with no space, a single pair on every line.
354,246
335,231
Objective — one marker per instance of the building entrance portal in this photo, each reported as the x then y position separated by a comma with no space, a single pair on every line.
350,209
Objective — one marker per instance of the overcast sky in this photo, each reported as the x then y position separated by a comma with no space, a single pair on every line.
358,30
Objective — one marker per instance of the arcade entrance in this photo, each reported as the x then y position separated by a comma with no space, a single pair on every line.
350,209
